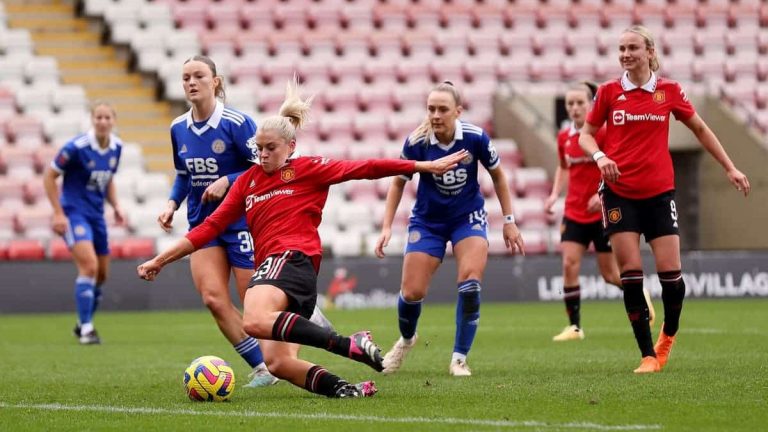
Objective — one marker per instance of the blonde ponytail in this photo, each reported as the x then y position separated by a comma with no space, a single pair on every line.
293,114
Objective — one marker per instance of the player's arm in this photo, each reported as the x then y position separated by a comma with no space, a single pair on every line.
112,200
560,181
332,172
228,212
394,195
709,141
512,237
608,168
59,219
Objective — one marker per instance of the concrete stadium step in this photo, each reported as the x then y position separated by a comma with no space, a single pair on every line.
101,70
70,53
53,24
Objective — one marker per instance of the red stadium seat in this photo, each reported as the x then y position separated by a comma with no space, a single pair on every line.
3,251
133,248
58,250
26,250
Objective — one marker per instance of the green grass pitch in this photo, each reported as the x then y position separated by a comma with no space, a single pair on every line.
716,380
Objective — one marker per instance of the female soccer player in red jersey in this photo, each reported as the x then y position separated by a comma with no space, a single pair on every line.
282,199
638,189
581,222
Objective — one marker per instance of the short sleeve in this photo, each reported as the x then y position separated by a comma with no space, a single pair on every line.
64,158
682,107
598,114
489,157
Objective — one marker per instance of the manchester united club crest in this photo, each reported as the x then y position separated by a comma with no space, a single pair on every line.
287,174
614,215
218,146
659,96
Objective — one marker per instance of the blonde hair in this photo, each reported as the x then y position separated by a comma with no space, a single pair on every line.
425,128
101,102
589,89
649,44
293,114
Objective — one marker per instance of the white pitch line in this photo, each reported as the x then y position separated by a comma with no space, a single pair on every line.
353,418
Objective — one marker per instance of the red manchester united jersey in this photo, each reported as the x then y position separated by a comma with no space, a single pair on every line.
637,132
283,209
583,174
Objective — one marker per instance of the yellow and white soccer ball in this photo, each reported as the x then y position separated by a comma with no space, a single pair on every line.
209,378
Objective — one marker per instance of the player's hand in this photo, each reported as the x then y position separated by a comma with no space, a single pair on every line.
594,205
739,180
608,169
166,219
382,242
119,216
445,163
550,201
513,239
216,190
149,270
59,223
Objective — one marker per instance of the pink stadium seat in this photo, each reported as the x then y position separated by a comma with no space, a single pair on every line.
335,127
424,18
190,16
33,190
133,248
35,219
376,99
342,99
356,17
16,157
58,250
222,40
223,15
347,72
492,19
7,228
291,17
43,156
390,18
26,250
7,103
23,128
324,17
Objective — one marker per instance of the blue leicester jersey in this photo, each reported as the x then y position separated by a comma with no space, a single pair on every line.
87,170
456,193
205,151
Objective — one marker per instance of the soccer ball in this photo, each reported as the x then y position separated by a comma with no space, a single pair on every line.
209,378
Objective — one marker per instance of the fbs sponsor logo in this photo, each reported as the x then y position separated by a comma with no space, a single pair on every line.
621,117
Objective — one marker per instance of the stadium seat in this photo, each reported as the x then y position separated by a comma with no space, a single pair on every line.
33,191
35,221
58,250
26,250
7,228
133,248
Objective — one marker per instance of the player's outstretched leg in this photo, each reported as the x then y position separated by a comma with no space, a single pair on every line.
291,327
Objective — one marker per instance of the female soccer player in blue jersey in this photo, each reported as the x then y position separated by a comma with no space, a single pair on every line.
87,163
211,149
448,207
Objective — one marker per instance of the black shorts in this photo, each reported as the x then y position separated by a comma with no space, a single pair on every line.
293,273
652,217
585,233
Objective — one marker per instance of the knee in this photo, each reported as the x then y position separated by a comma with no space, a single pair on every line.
258,328
89,269
278,365
411,293
571,266
215,301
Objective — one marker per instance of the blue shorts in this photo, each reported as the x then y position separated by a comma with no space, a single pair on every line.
431,237
83,228
238,245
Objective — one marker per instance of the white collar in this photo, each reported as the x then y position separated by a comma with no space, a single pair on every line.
458,134
572,130
95,143
213,120
628,85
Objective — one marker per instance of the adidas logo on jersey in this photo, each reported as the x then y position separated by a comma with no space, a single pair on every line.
183,149
253,184
621,98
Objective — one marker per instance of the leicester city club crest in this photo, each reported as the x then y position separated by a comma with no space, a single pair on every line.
112,162
218,146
